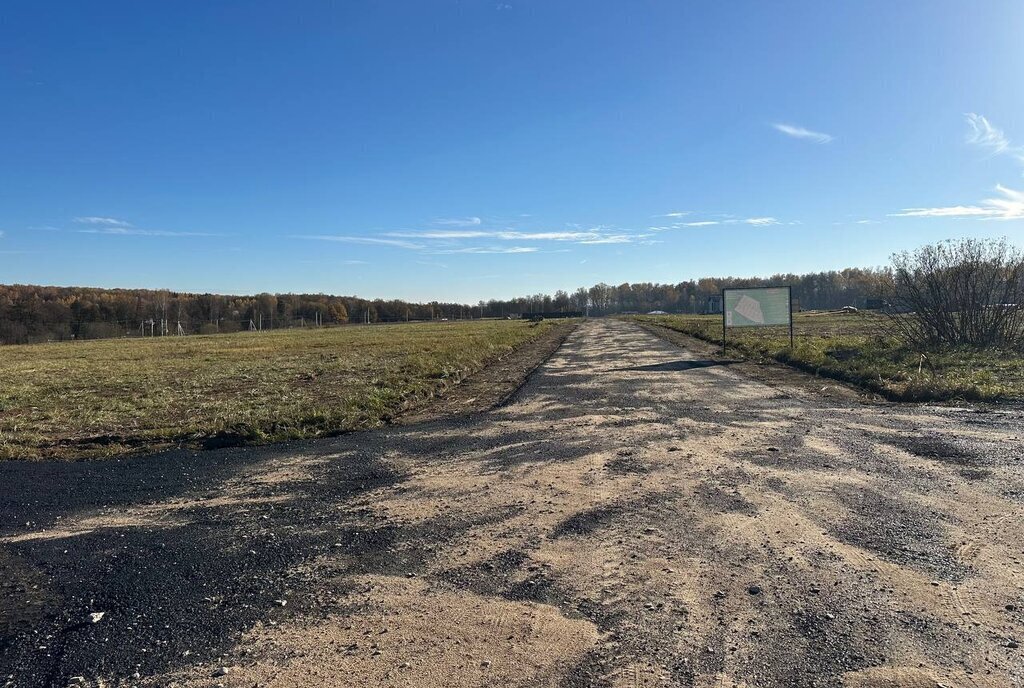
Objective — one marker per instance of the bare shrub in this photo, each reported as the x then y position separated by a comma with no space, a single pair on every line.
962,293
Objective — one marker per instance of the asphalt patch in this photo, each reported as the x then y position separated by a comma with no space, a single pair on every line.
898,531
931,447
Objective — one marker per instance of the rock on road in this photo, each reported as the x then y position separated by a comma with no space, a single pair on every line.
635,516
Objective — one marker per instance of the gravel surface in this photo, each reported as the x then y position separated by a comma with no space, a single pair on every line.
636,515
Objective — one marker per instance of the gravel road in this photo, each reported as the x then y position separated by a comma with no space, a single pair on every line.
636,515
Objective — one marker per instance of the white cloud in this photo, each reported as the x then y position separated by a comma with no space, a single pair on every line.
726,219
459,221
611,239
360,240
798,132
132,231
990,138
1009,207
486,250
548,236
949,211
681,213
985,135
504,235
107,221
454,241
442,234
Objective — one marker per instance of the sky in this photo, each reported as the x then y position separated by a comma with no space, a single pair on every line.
466,150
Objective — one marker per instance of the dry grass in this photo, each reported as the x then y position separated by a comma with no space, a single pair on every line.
852,347
101,398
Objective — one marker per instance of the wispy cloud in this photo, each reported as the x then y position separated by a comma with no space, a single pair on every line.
612,239
988,137
486,250
459,221
441,234
985,135
373,241
133,231
755,221
798,132
677,214
718,218
112,226
105,221
548,236
504,235
1009,207
464,241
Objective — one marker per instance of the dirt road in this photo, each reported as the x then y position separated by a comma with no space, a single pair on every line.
636,516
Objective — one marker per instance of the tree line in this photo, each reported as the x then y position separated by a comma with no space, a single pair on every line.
813,291
31,314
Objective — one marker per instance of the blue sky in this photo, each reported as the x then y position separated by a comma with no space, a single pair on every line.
466,150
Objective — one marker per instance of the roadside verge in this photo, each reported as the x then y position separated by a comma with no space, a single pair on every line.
495,383
773,373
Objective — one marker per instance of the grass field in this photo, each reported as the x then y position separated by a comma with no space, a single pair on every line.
852,347
100,398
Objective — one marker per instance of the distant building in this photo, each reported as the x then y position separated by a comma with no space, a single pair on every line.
714,304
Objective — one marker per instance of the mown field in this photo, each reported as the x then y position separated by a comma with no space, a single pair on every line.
853,347
101,398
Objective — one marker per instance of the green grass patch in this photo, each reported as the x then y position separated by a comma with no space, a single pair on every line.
852,347
105,397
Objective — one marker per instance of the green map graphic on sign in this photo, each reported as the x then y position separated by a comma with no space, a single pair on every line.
756,307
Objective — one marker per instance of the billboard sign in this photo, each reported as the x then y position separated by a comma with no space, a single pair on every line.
760,307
